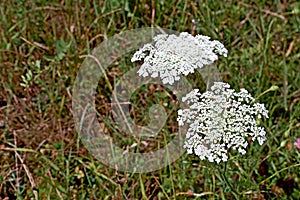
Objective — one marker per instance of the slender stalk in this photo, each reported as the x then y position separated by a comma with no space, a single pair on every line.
234,192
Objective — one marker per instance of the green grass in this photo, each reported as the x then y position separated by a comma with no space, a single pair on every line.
42,45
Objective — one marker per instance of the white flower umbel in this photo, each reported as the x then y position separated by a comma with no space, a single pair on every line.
220,119
171,56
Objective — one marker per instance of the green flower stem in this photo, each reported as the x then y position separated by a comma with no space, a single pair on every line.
223,174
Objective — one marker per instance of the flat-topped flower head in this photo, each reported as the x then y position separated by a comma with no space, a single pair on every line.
220,119
171,56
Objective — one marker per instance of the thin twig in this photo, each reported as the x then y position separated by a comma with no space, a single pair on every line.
35,44
104,15
97,36
153,13
111,89
57,191
16,163
194,194
276,173
29,175
289,49
263,10
101,68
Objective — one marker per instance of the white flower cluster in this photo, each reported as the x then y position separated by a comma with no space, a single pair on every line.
217,120
171,56
220,119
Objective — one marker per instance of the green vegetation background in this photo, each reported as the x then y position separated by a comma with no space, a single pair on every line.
42,45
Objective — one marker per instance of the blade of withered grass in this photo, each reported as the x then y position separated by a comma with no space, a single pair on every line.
28,173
